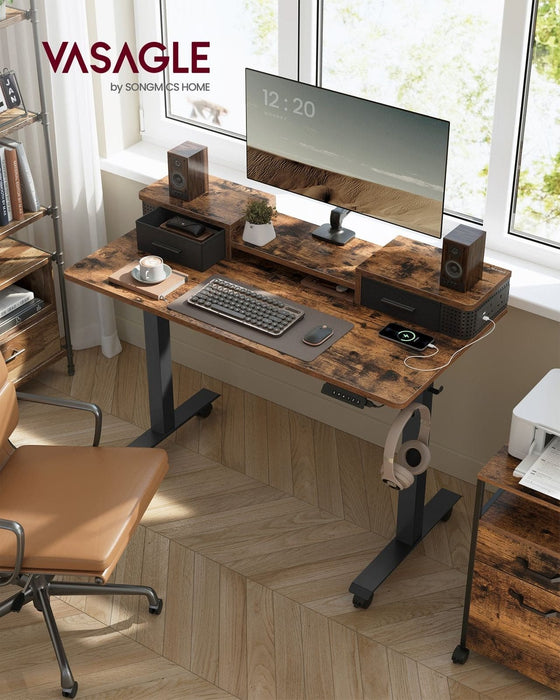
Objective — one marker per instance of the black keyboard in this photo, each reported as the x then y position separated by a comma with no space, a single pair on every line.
251,307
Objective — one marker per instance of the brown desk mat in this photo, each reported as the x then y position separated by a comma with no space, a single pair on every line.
289,343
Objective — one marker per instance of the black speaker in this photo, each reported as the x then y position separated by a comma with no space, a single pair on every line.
188,170
462,258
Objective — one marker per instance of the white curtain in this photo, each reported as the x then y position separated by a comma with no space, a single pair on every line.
71,108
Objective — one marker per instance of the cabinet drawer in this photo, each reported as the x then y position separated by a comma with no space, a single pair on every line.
29,348
515,623
523,539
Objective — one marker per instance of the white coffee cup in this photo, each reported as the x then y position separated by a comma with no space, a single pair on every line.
151,269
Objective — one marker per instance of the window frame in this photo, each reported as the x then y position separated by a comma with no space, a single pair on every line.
299,57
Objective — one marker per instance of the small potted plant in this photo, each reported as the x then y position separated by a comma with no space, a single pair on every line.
258,222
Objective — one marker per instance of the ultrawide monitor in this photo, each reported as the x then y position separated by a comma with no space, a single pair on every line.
359,155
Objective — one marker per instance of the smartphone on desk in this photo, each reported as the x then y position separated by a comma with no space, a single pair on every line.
406,336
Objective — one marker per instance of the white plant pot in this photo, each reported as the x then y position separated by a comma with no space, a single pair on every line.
258,234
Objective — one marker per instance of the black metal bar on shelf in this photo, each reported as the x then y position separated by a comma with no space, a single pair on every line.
55,215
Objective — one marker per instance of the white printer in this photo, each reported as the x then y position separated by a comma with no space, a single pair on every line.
536,417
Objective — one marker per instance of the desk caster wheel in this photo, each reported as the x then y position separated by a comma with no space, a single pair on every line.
205,411
445,518
72,692
460,655
359,602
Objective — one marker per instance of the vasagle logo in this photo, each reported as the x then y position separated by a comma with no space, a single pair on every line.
152,57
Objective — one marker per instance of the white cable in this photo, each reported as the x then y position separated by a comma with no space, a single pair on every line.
426,357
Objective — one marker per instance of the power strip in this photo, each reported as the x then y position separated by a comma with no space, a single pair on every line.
344,395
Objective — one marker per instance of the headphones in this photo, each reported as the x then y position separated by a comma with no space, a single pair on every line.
413,456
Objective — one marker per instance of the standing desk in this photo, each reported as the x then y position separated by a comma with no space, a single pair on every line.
359,362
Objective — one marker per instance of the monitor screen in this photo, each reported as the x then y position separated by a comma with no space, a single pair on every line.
359,155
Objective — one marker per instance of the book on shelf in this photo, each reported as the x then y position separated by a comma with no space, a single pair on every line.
22,313
28,191
5,203
14,184
12,298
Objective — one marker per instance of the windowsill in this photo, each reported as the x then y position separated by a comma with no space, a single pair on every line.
534,288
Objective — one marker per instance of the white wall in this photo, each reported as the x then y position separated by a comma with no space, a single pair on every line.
471,416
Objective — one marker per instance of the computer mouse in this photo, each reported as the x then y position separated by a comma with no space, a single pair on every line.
318,335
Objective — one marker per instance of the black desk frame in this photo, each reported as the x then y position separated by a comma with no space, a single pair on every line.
414,518
164,417
414,521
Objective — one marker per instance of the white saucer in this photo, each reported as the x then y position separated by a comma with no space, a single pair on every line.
135,272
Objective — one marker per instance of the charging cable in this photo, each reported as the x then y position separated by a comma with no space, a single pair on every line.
436,350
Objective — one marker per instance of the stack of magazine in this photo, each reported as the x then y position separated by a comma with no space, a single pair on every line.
16,305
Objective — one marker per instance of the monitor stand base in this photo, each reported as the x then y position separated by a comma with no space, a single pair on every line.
333,232
340,237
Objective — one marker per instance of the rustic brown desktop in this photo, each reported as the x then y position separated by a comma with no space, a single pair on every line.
312,273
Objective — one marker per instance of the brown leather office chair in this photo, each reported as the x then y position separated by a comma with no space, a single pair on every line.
69,511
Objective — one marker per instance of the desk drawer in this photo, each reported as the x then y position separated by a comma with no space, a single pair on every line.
437,316
515,623
522,538
27,349
176,247
400,304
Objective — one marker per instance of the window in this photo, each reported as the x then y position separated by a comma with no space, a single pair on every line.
536,211
436,57
245,35
491,68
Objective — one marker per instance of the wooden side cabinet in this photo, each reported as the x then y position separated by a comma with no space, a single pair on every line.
33,343
512,604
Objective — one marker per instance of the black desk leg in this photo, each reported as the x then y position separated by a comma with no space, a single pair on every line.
164,418
414,521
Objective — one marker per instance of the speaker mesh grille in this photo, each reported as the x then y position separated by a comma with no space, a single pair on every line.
147,208
466,324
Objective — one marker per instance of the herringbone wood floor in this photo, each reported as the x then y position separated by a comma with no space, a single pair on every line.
263,521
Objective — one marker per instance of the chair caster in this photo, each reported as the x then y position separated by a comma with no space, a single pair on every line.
156,609
205,411
359,602
460,655
72,692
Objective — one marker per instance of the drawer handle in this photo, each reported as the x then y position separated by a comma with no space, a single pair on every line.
14,354
519,598
167,248
536,575
398,305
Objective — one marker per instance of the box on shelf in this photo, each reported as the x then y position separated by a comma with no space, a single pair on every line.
175,247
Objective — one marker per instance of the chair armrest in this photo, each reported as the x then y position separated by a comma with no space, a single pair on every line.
17,529
68,403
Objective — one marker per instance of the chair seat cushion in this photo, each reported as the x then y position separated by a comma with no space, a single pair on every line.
78,505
